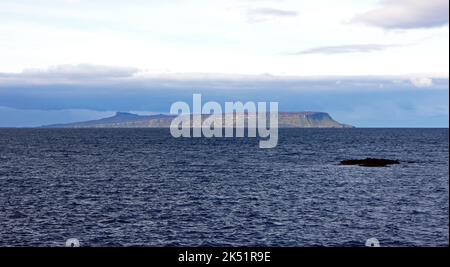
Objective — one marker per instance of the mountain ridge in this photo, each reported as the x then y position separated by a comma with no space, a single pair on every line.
308,119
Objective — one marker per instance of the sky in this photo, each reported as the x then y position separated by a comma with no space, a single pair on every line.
370,63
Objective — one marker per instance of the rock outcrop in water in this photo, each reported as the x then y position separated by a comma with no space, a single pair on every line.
370,162
129,120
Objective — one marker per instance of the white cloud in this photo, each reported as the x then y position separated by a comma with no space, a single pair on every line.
343,49
113,77
421,82
264,14
201,36
407,14
82,71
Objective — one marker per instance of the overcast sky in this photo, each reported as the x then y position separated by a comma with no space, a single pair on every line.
289,45
320,37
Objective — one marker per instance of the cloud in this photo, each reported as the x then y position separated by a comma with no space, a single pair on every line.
81,71
406,14
264,14
344,49
421,82
116,77
355,101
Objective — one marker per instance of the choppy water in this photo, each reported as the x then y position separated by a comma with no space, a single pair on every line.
141,187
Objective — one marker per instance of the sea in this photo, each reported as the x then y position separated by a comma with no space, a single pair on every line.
144,188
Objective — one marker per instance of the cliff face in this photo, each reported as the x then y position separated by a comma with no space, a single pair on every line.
308,120
285,120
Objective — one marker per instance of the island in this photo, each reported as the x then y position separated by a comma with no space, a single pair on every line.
130,120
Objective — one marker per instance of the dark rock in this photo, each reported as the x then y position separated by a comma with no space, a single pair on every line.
370,162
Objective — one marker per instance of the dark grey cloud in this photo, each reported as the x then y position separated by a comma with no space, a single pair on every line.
264,14
343,49
353,100
406,14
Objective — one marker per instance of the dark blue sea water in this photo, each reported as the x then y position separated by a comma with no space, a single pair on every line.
141,187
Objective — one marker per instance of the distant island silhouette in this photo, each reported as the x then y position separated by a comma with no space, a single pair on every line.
130,120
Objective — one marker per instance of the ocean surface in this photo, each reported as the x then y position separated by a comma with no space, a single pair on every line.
141,187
